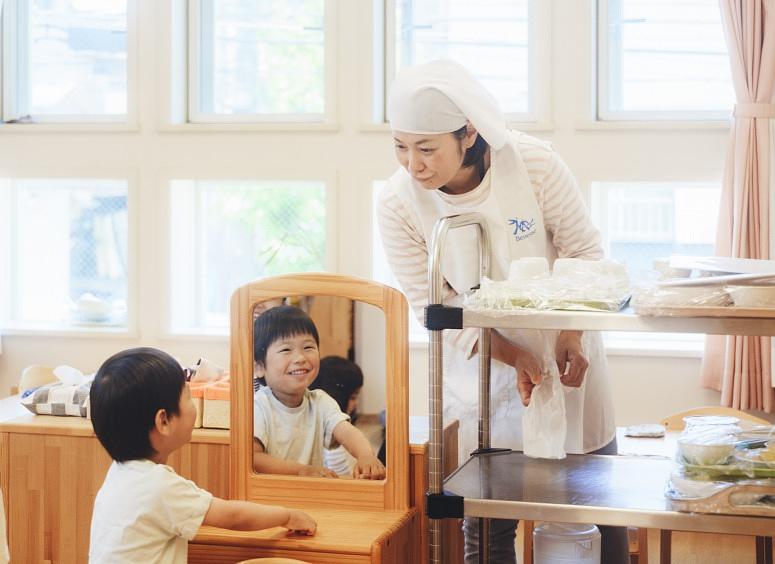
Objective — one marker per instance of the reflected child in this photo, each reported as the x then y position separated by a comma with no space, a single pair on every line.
342,379
142,412
291,423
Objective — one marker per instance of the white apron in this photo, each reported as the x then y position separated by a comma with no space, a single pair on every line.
516,228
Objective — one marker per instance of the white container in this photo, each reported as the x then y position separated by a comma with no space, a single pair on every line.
566,543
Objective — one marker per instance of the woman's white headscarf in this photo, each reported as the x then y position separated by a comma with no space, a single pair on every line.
440,97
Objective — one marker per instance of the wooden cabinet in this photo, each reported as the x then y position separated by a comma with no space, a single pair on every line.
52,468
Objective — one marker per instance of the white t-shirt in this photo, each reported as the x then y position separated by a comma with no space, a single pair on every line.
340,461
145,512
296,433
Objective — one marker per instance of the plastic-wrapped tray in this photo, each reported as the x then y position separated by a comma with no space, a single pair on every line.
741,498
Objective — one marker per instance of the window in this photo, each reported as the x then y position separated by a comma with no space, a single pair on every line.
380,269
258,60
662,59
63,252
225,233
642,221
492,38
64,60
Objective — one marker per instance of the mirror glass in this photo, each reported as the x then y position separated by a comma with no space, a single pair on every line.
319,404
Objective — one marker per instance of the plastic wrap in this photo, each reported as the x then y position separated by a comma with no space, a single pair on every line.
655,296
719,470
574,284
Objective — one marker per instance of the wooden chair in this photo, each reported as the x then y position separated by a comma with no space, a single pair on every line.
675,422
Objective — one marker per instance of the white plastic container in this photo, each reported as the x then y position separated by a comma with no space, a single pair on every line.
566,543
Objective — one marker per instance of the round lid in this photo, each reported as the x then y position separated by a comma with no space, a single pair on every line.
569,531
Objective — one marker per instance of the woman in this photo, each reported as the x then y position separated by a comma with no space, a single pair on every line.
457,156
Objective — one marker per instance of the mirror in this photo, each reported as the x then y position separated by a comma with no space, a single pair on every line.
319,394
358,320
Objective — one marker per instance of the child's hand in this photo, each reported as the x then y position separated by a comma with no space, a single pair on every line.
317,472
369,468
300,522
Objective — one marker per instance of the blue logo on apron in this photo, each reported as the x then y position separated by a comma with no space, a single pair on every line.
523,228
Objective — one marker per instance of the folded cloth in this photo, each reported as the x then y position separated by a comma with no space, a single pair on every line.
58,399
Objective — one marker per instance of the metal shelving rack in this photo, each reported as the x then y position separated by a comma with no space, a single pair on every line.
608,490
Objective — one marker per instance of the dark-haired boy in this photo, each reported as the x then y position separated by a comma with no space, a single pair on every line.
145,512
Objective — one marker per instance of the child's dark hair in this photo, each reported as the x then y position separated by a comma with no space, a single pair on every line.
278,323
128,390
339,378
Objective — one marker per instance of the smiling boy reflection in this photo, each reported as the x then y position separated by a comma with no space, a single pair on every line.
292,424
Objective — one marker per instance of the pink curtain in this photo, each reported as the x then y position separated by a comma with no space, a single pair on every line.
740,366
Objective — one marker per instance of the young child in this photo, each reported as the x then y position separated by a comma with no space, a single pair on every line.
342,379
144,512
292,424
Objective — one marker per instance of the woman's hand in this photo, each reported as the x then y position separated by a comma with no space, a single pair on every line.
317,472
368,468
528,374
568,352
301,523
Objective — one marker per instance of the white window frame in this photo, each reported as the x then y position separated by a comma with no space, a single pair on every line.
538,116
8,250
13,80
602,111
194,79
166,205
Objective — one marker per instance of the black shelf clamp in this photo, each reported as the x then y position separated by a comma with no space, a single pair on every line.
443,506
438,317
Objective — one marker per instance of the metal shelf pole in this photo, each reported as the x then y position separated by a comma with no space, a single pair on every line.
436,353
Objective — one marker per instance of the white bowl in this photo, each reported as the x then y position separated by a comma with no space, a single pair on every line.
752,296
705,454
91,308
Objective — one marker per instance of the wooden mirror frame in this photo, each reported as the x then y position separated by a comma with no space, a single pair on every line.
298,491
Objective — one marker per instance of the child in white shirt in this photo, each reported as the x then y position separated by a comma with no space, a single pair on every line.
342,379
144,512
292,424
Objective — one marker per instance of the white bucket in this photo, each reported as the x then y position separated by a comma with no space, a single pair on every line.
563,543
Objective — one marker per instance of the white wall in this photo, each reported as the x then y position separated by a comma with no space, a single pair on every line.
355,154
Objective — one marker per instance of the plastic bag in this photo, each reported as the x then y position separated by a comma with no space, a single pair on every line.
543,422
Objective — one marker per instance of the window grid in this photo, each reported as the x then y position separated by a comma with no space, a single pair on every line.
83,226
401,48
704,51
203,68
79,43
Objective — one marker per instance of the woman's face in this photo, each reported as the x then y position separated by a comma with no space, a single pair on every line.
433,160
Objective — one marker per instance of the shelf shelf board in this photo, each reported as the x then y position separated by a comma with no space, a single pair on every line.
625,321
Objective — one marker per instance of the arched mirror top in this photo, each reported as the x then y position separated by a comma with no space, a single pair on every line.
328,299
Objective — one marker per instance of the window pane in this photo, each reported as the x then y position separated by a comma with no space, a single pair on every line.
226,233
489,37
69,249
262,57
78,57
667,56
641,221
